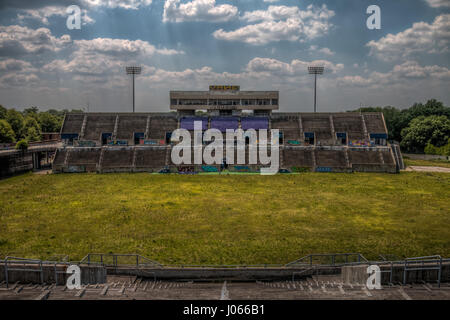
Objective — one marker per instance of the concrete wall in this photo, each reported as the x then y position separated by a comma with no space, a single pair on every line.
222,274
17,162
89,274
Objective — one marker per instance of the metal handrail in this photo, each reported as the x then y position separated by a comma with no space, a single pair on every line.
87,259
333,257
242,266
433,263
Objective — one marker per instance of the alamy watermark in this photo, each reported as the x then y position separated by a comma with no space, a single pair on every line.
374,280
74,19
213,154
374,20
74,280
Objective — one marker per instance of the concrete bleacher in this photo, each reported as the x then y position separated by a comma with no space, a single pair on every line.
84,156
364,157
326,153
160,125
129,125
350,123
96,125
288,125
330,158
152,157
72,123
387,157
60,157
321,126
297,157
79,159
374,122
117,158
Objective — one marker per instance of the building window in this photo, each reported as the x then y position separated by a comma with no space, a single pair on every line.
309,138
341,137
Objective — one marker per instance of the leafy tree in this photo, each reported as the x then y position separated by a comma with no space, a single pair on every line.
31,122
432,107
3,111
397,120
22,145
6,132
16,121
392,116
31,112
443,151
421,131
32,134
49,122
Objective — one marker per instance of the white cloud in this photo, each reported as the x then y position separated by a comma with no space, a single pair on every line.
198,10
420,38
103,57
18,40
43,14
315,49
401,75
438,3
294,68
280,23
17,73
112,4
14,65
121,47
18,80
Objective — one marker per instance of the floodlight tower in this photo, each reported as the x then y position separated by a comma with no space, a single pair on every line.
133,71
315,71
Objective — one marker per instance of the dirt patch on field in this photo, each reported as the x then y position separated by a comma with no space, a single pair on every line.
428,169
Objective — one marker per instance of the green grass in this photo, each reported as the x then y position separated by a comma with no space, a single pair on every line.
427,163
225,219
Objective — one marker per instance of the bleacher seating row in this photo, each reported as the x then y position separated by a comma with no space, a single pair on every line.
156,158
325,153
90,127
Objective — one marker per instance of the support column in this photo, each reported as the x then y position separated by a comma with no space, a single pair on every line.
147,128
333,132
347,158
116,127
83,127
366,134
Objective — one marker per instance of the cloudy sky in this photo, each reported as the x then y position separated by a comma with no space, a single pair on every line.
257,44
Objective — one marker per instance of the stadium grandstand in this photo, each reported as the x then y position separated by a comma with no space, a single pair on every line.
141,142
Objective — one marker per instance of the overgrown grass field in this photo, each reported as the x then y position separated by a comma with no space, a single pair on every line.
225,219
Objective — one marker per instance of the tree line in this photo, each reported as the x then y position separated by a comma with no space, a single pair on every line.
422,128
28,125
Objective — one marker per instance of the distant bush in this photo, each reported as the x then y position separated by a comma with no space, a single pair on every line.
22,145
442,151
6,132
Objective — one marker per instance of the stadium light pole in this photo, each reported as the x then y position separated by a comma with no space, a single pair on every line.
133,71
315,71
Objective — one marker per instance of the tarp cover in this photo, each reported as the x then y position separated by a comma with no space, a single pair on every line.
255,123
187,123
225,123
